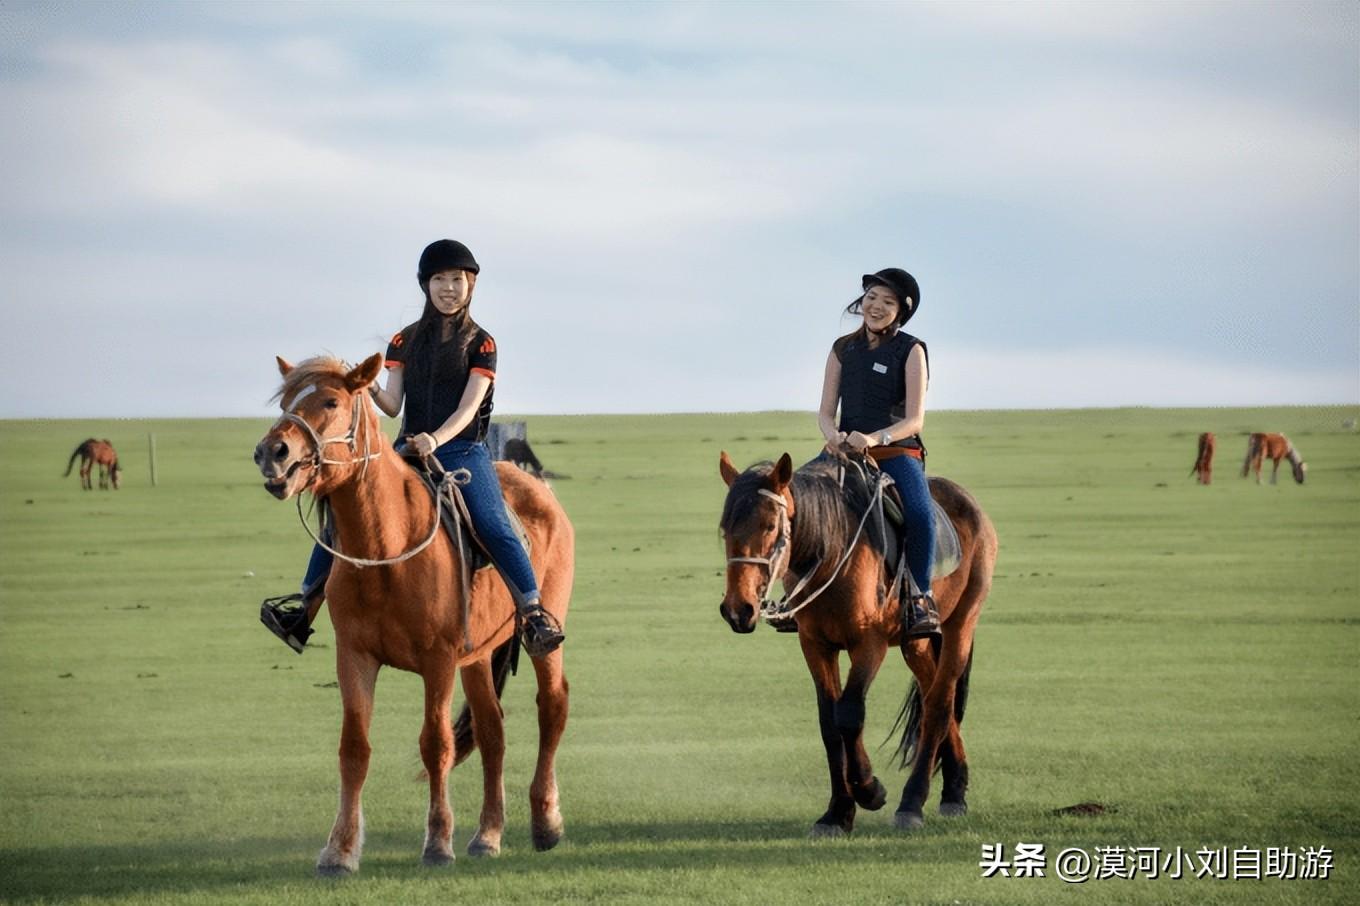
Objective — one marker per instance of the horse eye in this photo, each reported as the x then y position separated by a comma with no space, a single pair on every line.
332,403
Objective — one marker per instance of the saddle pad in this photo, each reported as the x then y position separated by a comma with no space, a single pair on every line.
948,554
458,522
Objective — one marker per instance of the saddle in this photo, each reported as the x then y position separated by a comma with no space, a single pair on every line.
445,487
948,553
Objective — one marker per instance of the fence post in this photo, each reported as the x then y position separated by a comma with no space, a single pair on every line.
151,443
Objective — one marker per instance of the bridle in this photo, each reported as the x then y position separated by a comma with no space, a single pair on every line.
777,563
317,459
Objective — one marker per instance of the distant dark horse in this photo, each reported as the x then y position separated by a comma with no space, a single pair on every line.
1204,459
519,453
95,452
1276,447
799,526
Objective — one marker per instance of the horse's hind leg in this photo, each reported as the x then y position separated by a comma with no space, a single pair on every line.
937,723
552,722
85,466
357,674
436,752
488,726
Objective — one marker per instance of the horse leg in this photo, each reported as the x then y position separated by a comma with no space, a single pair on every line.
357,673
865,659
1275,471
488,727
839,818
937,717
954,773
552,721
85,466
436,751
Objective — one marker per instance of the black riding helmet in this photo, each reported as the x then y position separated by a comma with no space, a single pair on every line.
445,255
903,286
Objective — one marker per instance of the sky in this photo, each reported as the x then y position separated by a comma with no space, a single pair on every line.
1105,204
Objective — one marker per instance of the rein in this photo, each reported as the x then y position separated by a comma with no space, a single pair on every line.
317,459
777,611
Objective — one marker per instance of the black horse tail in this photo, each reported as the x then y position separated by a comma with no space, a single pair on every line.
502,660
909,717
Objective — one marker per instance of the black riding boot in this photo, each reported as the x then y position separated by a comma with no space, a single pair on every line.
922,619
539,631
286,617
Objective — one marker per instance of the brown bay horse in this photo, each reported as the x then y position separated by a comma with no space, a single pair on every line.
396,599
1203,469
797,526
96,453
1274,447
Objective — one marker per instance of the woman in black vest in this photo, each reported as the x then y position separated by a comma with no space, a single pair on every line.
877,377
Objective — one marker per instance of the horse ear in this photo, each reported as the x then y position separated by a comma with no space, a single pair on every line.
366,373
726,469
284,365
783,472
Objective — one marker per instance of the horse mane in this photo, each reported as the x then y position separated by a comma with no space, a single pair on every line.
826,513
309,371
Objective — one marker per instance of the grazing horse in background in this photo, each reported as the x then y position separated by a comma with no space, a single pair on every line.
397,598
522,455
96,452
798,526
1204,459
1276,447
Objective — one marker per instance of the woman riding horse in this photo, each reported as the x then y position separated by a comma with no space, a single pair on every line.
877,377
443,368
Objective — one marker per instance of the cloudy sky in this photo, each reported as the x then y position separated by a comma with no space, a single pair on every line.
1104,203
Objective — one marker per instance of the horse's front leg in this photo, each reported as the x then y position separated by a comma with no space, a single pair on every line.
436,751
357,674
488,727
823,664
865,659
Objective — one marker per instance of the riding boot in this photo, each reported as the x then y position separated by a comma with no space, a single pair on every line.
921,618
286,617
539,631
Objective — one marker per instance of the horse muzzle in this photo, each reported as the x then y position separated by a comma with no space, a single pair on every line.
742,617
279,465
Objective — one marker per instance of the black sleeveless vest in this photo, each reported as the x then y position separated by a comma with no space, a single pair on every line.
873,391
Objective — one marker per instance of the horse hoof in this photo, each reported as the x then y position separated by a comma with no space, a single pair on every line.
908,821
953,809
548,834
334,870
872,797
481,848
436,858
826,831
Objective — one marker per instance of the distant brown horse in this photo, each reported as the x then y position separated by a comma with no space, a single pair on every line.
1204,459
396,599
797,526
96,452
1275,447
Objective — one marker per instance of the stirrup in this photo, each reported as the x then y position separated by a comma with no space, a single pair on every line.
920,617
540,633
287,622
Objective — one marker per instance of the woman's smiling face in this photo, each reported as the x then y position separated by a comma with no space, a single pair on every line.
450,290
880,308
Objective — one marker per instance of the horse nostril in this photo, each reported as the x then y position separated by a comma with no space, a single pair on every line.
281,452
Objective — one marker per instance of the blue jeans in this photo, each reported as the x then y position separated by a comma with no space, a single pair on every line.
487,508
909,474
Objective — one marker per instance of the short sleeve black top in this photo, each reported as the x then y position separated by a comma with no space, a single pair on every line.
431,400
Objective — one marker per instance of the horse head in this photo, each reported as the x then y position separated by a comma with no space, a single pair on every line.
323,404
756,527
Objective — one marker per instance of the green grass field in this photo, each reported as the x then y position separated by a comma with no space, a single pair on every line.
1185,655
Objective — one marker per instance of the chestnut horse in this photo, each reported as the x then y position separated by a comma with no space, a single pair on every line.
95,452
396,598
1276,447
1204,459
797,526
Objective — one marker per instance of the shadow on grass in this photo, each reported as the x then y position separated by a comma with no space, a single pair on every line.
144,870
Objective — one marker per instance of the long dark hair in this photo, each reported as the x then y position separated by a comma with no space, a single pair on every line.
435,327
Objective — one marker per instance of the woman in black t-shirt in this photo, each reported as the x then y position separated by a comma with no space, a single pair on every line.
442,370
